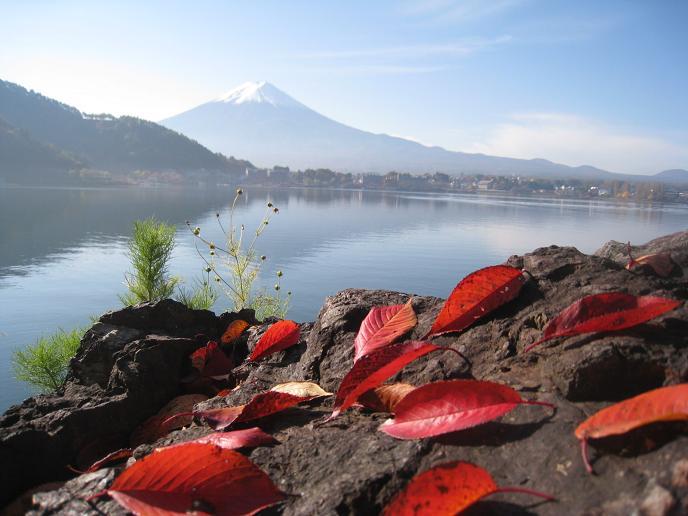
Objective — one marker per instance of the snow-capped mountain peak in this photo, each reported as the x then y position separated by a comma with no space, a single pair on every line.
259,93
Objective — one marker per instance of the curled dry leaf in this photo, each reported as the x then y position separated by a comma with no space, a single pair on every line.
279,336
112,457
660,263
605,312
302,389
385,397
261,405
249,438
376,367
194,477
442,407
663,404
175,414
382,326
233,331
211,361
448,489
477,295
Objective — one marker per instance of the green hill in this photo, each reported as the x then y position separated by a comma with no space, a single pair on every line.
69,139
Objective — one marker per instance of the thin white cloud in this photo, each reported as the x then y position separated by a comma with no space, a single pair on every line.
461,48
458,10
575,140
381,69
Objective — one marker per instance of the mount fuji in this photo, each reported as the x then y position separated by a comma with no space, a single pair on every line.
261,123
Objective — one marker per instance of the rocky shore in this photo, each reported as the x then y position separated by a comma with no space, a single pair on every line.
134,361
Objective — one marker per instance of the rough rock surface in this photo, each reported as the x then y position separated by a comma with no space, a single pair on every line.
132,362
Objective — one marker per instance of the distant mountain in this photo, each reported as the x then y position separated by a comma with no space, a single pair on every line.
102,142
676,176
267,126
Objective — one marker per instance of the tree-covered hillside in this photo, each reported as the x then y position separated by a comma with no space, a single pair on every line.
100,142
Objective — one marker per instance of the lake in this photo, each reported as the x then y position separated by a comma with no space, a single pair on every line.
63,251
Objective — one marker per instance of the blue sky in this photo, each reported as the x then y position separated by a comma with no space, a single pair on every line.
584,82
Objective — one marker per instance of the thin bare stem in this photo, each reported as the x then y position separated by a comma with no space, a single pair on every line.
524,490
584,454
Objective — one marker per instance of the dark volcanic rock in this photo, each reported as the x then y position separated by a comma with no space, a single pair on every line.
123,374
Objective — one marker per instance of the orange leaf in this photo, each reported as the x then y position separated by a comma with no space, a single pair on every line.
477,295
381,326
448,489
385,397
661,263
233,331
663,404
194,477
605,312
278,337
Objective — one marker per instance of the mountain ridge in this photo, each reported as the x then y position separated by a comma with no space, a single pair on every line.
99,142
290,133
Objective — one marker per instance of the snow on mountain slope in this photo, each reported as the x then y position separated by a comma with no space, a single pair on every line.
258,92
261,123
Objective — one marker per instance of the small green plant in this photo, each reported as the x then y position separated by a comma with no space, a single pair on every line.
237,266
44,364
150,249
201,297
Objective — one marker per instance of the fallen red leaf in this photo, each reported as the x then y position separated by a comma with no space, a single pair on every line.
278,337
442,407
115,456
249,438
261,405
448,489
605,312
194,477
477,295
160,424
382,326
374,368
233,331
385,397
663,404
211,361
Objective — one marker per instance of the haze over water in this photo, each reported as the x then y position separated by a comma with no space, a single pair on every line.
63,251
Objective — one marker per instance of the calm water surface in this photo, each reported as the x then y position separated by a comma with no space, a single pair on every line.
63,251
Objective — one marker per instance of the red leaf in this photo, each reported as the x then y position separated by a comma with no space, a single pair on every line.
211,361
233,331
477,295
194,477
605,312
261,405
663,404
279,336
115,456
442,407
382,326
374,368
249,438
158,426
448,489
